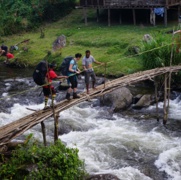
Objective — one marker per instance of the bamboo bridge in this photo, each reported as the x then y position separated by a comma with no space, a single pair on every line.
12,130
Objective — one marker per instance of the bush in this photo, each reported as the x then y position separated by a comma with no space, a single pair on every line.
159,52
20,15
33,161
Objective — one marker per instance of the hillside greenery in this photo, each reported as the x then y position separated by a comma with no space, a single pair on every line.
23,15
114,45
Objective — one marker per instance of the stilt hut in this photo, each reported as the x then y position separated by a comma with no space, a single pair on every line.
133,5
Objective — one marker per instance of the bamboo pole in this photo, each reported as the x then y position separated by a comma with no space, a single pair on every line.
44,133
165,101
56,128
156,98
170,73
105,71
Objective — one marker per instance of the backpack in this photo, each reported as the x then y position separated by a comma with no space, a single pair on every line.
39,74
64,67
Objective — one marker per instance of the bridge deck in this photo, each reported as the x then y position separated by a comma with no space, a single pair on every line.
18,127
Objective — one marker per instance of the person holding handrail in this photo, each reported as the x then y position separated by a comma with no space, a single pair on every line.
87,62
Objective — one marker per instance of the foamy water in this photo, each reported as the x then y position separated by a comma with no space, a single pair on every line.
122,146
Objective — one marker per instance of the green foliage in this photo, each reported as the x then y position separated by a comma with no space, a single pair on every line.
20,15
159,52
35,161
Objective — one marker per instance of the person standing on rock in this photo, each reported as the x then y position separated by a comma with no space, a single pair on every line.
87,62
72,74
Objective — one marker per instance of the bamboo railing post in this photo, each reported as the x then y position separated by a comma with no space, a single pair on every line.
170,73
105,71
44,133
165,101
156,98
56,127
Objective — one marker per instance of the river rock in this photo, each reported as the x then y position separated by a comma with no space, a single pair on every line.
145,101
103,177
137,98
147,38
59,43
119,99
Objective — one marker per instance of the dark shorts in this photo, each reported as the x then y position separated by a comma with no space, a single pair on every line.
48,91
73,81
88,75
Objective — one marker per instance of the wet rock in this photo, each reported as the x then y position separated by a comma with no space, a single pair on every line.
137,98
119,99
103,177
144,101
59,43
147,38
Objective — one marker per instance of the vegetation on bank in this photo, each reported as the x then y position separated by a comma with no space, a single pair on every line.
35,161
114,45
25,15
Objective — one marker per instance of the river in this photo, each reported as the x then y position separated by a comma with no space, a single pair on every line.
128,145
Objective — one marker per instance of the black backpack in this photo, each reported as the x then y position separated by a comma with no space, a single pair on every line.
40,72
64,67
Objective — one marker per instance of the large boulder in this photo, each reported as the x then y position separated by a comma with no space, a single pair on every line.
145,101
59,43
119,99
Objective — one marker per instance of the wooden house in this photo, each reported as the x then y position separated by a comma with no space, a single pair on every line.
129,4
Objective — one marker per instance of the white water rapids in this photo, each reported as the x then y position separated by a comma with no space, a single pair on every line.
132,148
120,145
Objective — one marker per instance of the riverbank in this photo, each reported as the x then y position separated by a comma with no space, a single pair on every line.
113,45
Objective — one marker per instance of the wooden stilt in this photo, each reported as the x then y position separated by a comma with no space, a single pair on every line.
165,17
44,133
97,12
105,72
56,128
85,15
165,101
120,18
170,73
134,17
178,14
156,98
109,17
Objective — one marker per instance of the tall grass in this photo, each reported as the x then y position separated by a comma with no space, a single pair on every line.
158,52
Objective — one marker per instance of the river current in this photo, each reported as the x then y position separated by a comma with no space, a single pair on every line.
132,147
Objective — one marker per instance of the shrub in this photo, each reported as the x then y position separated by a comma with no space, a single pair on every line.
33,161
159,52
20,15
